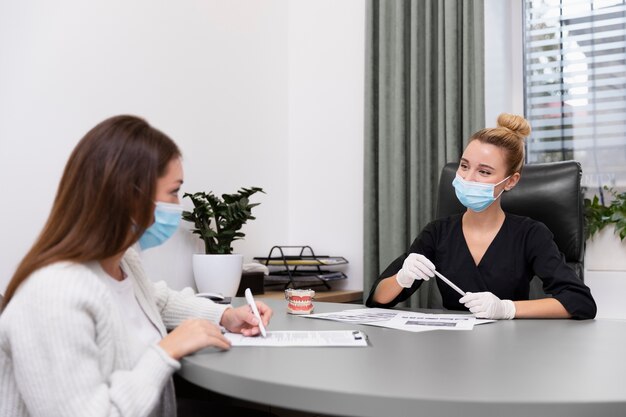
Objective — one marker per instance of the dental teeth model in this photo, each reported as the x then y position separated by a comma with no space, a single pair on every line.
299,301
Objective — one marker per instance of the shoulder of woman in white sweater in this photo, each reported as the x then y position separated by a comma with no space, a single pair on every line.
132,256
57,283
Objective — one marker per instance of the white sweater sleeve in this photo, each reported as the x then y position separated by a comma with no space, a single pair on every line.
177,306
60,332
173,306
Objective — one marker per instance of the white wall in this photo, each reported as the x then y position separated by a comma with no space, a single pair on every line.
228,80
504,86
326,119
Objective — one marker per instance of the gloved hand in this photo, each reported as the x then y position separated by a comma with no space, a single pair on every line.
486,305
415,266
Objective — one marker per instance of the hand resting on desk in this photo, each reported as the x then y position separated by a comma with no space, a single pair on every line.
191,336
195,334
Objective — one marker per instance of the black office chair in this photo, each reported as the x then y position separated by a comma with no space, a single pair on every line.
549,193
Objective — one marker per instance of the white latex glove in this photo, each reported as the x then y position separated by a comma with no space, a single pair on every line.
415,266
486,305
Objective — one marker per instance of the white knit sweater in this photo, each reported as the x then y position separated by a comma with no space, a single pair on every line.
63,349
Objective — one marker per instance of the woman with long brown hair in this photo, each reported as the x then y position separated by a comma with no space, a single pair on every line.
83,332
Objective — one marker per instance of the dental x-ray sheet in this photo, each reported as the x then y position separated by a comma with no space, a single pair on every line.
402,320
358,316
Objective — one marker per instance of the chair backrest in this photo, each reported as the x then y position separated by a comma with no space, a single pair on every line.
549,193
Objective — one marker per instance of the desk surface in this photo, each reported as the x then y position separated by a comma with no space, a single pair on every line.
513,368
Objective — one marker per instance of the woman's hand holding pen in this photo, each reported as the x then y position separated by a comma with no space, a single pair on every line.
242,320
415,267
191,336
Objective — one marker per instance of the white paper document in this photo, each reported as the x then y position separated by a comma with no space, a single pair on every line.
360,315
421,322
301,338
402,320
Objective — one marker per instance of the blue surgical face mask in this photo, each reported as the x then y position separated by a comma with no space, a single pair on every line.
476,196
166,219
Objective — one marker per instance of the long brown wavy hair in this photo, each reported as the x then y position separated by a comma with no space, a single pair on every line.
105,198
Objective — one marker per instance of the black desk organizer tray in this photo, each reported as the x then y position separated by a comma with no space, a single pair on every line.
301,270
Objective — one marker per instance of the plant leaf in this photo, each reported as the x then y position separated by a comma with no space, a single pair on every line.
218,220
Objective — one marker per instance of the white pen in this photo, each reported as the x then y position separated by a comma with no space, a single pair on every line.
447,281
255,310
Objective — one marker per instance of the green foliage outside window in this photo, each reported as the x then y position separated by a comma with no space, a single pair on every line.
598,215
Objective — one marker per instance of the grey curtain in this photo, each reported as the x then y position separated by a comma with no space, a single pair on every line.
424,97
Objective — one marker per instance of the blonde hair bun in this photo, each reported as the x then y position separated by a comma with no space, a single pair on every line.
516,124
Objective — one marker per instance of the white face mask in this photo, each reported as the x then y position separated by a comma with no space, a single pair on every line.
476,196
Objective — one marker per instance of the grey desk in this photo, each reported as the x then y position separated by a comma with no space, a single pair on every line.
513,368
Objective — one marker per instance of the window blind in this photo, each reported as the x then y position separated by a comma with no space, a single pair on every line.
575,86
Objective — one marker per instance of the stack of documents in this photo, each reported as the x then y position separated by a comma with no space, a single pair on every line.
402,320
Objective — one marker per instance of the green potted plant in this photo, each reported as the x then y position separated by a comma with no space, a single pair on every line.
217,222
605,230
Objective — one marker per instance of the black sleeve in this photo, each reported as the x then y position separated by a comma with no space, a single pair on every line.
558,278
424,244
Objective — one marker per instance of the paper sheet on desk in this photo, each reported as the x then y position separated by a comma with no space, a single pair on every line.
357,316
301,338
422,322
403,320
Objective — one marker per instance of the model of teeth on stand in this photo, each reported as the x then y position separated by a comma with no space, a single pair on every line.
299,301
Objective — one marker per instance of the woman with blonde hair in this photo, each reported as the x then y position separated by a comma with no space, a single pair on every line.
83,332
490,254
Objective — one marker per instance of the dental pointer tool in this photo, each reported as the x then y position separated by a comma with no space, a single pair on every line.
450,283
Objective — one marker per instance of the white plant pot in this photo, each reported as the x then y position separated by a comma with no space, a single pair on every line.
218,273
605,251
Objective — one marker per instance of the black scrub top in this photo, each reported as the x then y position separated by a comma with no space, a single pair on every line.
521,249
